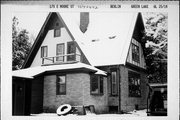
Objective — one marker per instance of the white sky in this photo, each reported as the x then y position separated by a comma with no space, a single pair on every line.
31,21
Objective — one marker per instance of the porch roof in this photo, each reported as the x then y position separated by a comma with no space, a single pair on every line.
34,71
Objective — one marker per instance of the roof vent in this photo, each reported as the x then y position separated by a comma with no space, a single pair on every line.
112,37
95,40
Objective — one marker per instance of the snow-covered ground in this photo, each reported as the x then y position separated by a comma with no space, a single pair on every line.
129,114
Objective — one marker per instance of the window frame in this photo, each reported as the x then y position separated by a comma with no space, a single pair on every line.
44,50
57,51
137,83
100,79
55,32
73,56
135,55
115,83
58,92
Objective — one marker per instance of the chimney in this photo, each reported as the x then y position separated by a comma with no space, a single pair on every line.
84,21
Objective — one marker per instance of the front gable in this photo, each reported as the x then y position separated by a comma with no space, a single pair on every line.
54,39
136,48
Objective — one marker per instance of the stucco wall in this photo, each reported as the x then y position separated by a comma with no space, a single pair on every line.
77,93
128,103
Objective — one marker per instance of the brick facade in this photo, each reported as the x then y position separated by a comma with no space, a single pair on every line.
128,103
77,93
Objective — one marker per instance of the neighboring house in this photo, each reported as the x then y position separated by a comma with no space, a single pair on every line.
84,59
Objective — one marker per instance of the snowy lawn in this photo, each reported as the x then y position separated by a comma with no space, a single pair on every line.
129,114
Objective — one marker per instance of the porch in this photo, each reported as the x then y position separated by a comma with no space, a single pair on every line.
62,59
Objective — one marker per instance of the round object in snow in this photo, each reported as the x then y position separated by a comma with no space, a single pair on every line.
63,109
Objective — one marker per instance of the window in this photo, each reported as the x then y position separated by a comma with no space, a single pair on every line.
61,85
134,84
57,32
70,50
60,52
96,84
135,53
44,51
114,87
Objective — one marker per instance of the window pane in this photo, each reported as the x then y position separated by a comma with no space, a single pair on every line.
114,83
62,79
62,88
57,32
44,51
134,84
135,53
71,49
114,77
61,85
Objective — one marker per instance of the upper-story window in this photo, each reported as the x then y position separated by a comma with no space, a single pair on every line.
134,84
57,32
44,50
60,52
135,53
71,49
96,84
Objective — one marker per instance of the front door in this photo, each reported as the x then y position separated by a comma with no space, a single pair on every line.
21,96
18,98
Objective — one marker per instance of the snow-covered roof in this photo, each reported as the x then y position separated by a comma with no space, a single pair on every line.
106,41
33,71
108,36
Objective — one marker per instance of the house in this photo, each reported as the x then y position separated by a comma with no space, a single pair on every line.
84,59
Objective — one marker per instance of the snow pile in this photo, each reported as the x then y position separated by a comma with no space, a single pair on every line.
134,113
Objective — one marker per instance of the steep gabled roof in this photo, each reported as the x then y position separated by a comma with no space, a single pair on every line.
113,32
108,36
106,41
37,43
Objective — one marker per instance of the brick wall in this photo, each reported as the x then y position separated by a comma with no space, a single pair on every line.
77,93
128,103
99,101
